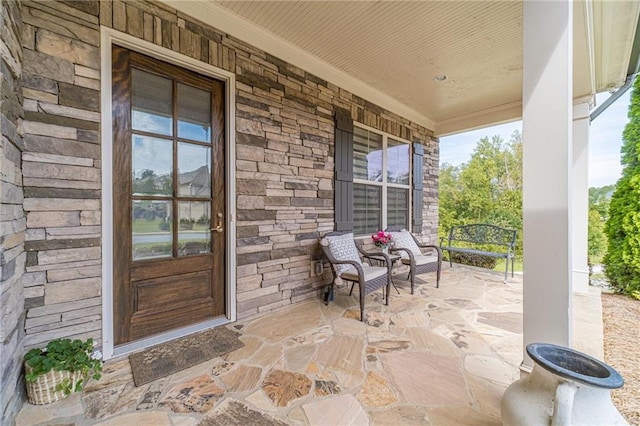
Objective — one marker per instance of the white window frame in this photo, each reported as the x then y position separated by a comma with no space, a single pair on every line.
384,184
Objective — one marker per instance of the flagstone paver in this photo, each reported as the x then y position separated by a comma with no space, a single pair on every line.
490,368
326,387
461,415
235,413
427,379
376,392
149,418
298,357
440,357
509,321
34,414
242,378
109,401
283,387
198,395
405,415
339,410
261,401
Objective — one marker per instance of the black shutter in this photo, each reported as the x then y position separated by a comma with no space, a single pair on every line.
343,190
418,178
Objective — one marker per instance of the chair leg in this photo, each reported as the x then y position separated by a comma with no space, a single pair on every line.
352,285
361,302
388,290
512,262
328,294
506,270
438,276
413,278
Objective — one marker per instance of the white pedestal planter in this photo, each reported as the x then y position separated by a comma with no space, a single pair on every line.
566,387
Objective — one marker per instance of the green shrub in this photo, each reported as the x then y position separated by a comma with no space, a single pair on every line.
622,261
474,259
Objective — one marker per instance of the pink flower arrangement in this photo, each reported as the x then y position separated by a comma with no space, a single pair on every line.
381,239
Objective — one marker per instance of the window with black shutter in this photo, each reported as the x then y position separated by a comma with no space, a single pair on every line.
378,180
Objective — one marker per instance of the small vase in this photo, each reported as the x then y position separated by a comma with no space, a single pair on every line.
385,249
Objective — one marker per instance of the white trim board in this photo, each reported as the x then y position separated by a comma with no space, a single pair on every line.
108,38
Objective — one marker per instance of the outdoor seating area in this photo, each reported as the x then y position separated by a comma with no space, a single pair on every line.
441,356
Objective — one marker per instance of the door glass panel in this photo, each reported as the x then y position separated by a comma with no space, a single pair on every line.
194,234
367,155
151,103
367,213
151,227
152,166
194,113
397,162
194,170
398,207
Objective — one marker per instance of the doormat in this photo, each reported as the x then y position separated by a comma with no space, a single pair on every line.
168,358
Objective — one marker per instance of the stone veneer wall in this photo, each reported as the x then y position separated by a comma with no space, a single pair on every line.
12,221
284,159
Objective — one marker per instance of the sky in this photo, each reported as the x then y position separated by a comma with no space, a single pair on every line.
605,140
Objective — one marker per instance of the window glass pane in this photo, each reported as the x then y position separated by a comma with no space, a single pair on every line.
397,162
398,207
151,103
367,209
194,234
194,170
367,155
152,166
194,113
151,226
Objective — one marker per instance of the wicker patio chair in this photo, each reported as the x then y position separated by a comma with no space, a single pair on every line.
344,255
410,251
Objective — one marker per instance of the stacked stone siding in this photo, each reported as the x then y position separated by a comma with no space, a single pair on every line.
12,220
284,159
61,168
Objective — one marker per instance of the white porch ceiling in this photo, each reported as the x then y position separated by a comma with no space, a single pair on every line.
392,50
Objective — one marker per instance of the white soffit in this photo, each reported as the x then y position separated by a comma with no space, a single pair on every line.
389,52
229,22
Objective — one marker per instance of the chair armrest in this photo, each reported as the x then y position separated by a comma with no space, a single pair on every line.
432,247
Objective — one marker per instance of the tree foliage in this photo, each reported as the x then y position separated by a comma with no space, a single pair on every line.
487,189
622,261
599,199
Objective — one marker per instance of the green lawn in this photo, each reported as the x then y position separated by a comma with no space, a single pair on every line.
517,266
143,226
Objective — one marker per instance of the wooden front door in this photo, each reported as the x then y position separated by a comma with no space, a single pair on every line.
168,196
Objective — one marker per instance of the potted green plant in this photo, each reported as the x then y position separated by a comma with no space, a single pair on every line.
62,367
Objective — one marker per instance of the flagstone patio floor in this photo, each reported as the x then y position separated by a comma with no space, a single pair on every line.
443,356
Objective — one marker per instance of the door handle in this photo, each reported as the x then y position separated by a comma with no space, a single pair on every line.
220,227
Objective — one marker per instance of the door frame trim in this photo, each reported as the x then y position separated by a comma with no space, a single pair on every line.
108,37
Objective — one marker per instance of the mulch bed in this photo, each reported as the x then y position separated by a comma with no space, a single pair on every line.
621,315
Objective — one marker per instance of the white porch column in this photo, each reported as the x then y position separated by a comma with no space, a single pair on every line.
547,129
580,203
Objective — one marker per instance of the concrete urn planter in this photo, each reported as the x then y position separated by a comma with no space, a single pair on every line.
566,387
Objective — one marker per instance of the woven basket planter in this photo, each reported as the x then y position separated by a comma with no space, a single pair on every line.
45,389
